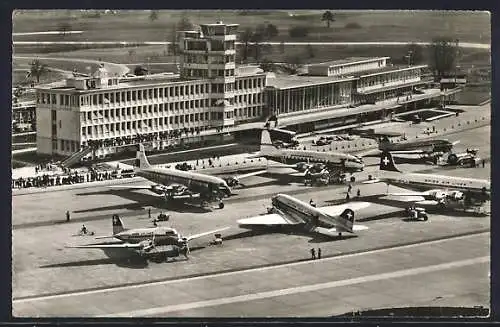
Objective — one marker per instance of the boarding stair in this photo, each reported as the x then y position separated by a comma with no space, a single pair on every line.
76,157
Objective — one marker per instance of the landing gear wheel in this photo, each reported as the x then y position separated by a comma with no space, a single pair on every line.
340,234
221,205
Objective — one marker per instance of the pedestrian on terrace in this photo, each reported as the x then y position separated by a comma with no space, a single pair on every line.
319,253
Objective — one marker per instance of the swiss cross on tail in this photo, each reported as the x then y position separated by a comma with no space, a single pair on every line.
117,224
387,162
348,215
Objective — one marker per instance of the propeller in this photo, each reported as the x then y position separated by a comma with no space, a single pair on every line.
183,243
456,195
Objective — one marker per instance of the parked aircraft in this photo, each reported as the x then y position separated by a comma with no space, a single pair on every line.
289,211
146,241
174,184
444,190
328,167
464,159
428,150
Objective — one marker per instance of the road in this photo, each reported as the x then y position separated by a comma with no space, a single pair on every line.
373,43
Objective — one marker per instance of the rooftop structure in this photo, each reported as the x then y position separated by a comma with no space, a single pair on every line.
347,66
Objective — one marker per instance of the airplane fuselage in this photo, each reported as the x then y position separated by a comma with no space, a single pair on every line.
294,208
161,235
429,146
477,188
331,159
209,187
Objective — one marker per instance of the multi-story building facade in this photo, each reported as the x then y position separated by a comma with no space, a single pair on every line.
210,94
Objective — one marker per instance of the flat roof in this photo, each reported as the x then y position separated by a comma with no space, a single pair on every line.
293,81
349,60
247,71
387,69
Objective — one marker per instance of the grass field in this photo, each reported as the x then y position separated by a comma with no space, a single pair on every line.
158,54
474,95
467,26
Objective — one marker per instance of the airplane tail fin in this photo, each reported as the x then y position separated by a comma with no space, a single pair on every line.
266,145
117,225
346,220
387,162
141,161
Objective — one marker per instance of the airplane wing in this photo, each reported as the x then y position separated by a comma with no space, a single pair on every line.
334,232
108,246
370,153
192,237
269,219
336,210
423,194
396,152
255,173
135,187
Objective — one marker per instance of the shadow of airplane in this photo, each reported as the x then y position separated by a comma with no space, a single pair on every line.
402,204
141,202
286,230
125,258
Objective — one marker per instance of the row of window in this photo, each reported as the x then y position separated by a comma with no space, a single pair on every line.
146,94
164,108
356,67
389,78
164,122
213,59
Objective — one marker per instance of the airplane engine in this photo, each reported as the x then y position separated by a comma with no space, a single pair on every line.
232,181
439,196
456,195
302,166
147,246
452,159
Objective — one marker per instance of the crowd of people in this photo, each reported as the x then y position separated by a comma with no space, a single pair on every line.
68,177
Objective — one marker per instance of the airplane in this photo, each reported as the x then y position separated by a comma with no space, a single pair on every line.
329,166
428,150
145,240
289,211
175,184
446,191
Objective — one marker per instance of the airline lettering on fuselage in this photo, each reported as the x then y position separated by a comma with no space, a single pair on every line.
166,179
294,209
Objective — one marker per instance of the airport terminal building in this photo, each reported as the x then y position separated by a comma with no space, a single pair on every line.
209,98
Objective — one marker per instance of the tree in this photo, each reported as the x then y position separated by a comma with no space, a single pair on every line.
298,31
38,69
245,39
293,64
310,51
184,24
415,53
140,71
282,47
328,18
443,55
259,36
172,49
271,31
267,65
153,15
